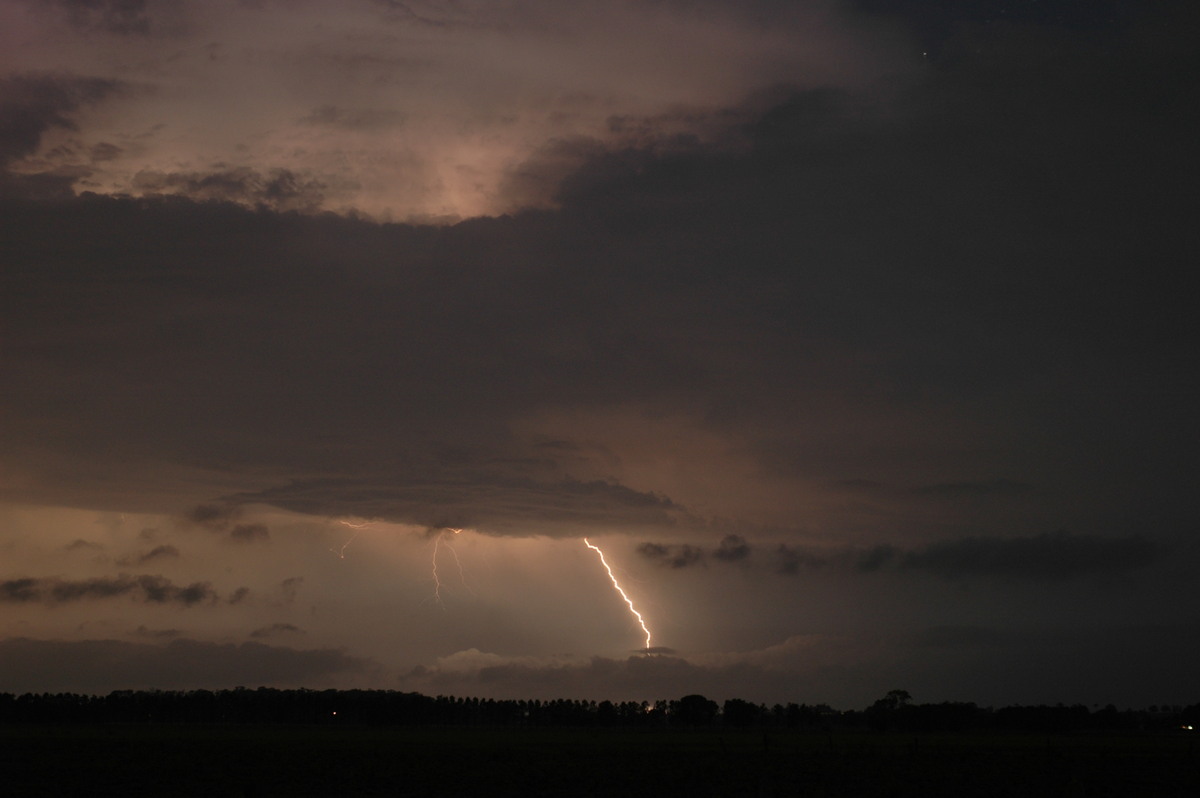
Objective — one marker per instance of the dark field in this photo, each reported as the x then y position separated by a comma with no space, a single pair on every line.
212,760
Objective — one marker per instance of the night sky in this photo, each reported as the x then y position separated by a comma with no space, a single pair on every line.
858,335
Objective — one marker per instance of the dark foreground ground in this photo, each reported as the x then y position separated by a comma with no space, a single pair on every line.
212,760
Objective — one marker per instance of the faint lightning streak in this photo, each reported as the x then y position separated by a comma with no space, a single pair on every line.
437,582
616,585
341,552
462,576
438,542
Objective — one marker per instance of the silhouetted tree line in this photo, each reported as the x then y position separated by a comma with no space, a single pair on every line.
893,712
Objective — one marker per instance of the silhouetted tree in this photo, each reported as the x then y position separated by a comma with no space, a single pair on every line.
693,710
739,713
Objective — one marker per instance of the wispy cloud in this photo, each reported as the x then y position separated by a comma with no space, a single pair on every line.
275,629
223,519
163,552
147,589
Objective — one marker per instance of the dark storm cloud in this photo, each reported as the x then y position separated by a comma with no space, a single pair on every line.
222,519
146,589
791,560
732,548
98,666
487,501
30,105
671,556
895,292
83,545
20,590
1056,556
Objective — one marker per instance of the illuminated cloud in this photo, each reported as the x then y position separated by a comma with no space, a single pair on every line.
423,110
641,677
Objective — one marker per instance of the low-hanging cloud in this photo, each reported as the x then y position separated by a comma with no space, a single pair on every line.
678,555
147,589
739,674
732,548
223,519
488,501
163,552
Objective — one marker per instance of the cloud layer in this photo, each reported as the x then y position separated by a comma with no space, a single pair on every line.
836,310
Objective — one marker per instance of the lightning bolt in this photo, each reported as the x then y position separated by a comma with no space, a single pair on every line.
641,621
438,542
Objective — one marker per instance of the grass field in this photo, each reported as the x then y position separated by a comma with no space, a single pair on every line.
209,760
